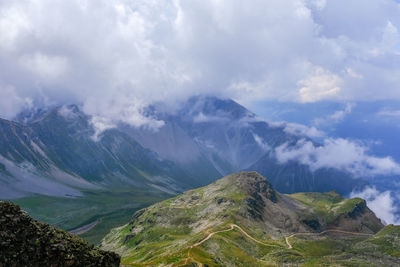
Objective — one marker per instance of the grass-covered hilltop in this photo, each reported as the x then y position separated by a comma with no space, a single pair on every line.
240,220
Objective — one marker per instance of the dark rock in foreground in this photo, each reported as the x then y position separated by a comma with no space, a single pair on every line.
26,242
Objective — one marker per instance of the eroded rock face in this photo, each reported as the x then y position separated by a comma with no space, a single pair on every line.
256,185
26,242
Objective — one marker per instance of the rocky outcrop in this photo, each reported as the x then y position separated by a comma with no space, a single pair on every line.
26,242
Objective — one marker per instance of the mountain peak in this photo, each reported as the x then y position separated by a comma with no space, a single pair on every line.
32,115
214,107
252,183
243,211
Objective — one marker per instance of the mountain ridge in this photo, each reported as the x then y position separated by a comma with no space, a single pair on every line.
50,159
242,215
208,137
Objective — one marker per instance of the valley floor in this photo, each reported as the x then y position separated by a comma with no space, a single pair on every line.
92,215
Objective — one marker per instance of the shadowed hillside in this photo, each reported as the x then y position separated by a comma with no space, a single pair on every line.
26,242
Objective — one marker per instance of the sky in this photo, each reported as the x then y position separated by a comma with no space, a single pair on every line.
117,56
324,65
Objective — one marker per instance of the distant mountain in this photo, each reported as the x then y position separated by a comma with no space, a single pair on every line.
240,220
26,242
54,159
372,123
51,165
55,154
223,135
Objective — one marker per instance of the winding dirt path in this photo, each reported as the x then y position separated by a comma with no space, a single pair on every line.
232,226
252,238
210,235
201,242
321,233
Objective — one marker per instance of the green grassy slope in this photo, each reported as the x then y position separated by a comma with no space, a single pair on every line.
108,208
241,221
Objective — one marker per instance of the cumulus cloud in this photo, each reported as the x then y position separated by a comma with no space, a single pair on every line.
45,66
303,130
107,112
67,112
10,102
123,53
320,85
100,124
298,129
340,154
381,203
339,115
260,141
336,117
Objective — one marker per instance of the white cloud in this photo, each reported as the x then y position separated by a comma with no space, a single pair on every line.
10,102
47,67
339,153
12,21
320,85
302,130
54,51
298,129
261,142
381,203
336,117
100,124
108,111
66,112
340,114
389,42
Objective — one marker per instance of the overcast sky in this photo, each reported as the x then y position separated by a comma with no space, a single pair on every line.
120,55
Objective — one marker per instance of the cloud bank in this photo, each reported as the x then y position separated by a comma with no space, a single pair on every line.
340,154
115,57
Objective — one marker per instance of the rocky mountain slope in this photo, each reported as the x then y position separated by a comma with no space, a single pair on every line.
230,138
59,152
26,242
53,166
55,160
240,220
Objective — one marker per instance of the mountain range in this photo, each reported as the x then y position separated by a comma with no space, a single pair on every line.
54,159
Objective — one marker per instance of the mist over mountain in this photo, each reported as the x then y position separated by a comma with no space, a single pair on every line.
208,137
63,152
